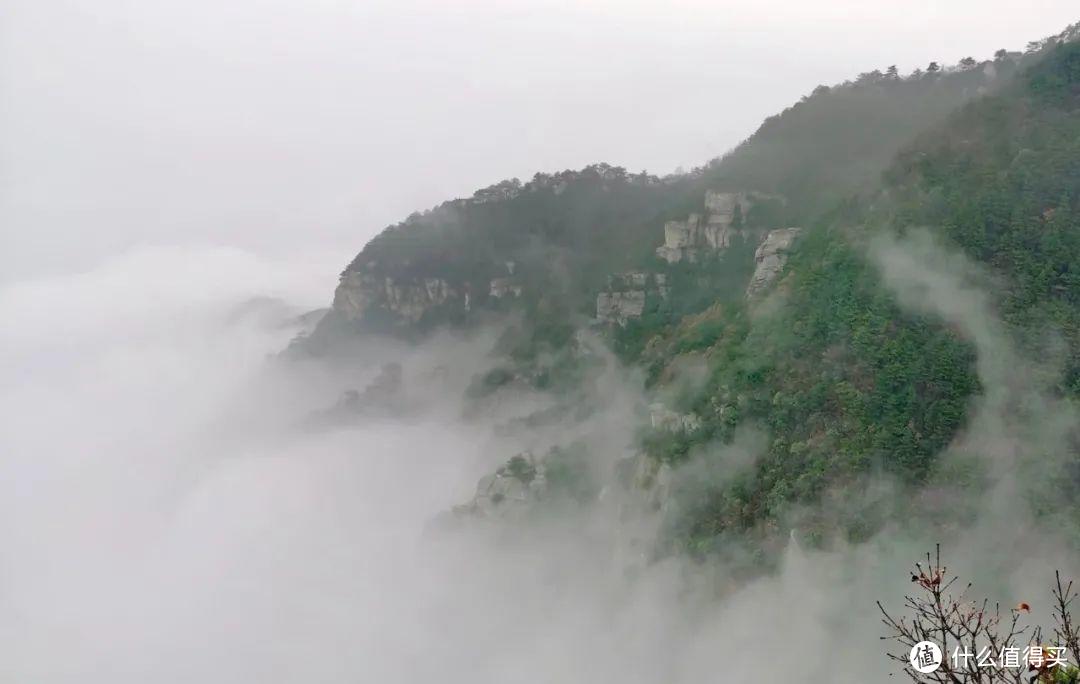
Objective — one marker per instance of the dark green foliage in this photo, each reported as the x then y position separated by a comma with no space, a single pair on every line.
845,383
521,468
1002,181
849,385
701,336
1056,80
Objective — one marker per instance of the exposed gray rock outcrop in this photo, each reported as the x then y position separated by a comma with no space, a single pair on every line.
689,240
619,307
638,485
645,483
681,240
627,294
663,418
642,498
509,491
360,291
771,256
636,493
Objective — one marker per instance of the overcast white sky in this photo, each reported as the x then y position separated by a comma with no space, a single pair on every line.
309,125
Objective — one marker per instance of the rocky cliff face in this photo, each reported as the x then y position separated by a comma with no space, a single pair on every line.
626,296
619,307
689,240
363,291
771,256
637,487
635,498
648,482
663,418
510,491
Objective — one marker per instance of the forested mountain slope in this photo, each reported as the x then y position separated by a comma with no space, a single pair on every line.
849,384
569,230
754,270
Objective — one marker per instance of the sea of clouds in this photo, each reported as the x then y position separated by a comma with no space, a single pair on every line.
167,515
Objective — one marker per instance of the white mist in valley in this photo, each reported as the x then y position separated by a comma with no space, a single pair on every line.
166,516
174,508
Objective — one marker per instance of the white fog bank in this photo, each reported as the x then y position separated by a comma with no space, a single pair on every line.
143,539
163,519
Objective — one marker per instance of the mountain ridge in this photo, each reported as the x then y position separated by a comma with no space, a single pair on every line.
847,384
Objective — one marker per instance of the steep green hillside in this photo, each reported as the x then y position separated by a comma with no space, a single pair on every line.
753,271
1002,181
846,383
565,233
